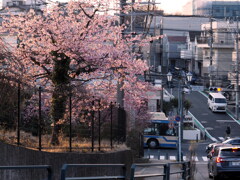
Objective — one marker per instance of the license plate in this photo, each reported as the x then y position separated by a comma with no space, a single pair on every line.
236,163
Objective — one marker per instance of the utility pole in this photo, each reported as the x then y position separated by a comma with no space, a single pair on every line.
120,91
237,72
211,52
180,103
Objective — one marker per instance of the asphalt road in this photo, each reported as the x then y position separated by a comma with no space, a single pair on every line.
215,124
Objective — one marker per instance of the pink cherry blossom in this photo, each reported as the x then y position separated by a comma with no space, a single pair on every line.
78,45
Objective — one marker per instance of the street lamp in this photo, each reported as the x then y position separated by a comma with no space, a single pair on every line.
180,108
189,77
169,76
159,82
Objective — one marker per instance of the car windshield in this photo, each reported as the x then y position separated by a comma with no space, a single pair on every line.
230,152
220,100
232,141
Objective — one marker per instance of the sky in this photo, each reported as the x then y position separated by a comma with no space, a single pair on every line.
169,6
172,6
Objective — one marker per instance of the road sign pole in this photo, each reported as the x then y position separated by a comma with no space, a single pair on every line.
180,104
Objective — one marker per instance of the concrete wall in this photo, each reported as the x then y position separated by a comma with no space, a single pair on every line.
191,134
14,155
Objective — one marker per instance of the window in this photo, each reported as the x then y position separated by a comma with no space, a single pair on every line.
150,130
206,52
220,100
216,152
230,152
227,9
217,10
210,97
161,129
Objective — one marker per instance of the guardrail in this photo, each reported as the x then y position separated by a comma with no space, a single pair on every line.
66,166
202,128
166,170
48,167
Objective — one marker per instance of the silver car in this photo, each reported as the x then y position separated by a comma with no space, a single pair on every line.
231,141
224,162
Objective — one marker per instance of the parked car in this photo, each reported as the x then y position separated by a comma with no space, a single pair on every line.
213,148
224,162
195,79
233,141
186,89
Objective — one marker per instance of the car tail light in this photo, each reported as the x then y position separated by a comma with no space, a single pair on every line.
219,160
235,149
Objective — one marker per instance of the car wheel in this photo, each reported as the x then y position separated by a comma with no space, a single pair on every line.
212,110
210,176
152,143
217,177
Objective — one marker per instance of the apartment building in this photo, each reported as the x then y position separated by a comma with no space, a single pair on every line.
22,5
219,54
189,53
172,26
216,9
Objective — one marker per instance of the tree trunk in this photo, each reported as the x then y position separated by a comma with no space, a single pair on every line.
59,100
60,81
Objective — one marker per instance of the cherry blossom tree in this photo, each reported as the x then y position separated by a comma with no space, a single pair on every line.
76,45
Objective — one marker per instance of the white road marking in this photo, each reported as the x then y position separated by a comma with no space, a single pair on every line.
196,158
162,157
173,158
209,128
221,138
230,120
184,158
204,158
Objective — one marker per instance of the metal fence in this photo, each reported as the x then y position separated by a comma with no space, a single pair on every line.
110,167
114,171
165,171
99,131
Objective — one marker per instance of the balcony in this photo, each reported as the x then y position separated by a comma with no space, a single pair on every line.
186,54
217,43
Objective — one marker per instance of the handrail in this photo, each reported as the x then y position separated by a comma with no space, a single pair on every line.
133,167
185,170
166,170
48,167
66,166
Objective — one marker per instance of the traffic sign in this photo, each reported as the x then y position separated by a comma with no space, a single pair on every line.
177,118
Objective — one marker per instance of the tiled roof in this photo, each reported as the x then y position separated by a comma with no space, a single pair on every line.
177,38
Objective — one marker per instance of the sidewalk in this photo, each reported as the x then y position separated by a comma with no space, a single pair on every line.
231,110
158,170
200,171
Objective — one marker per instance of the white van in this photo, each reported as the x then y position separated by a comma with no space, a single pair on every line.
217,102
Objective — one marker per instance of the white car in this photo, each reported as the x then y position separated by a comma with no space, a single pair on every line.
186,90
